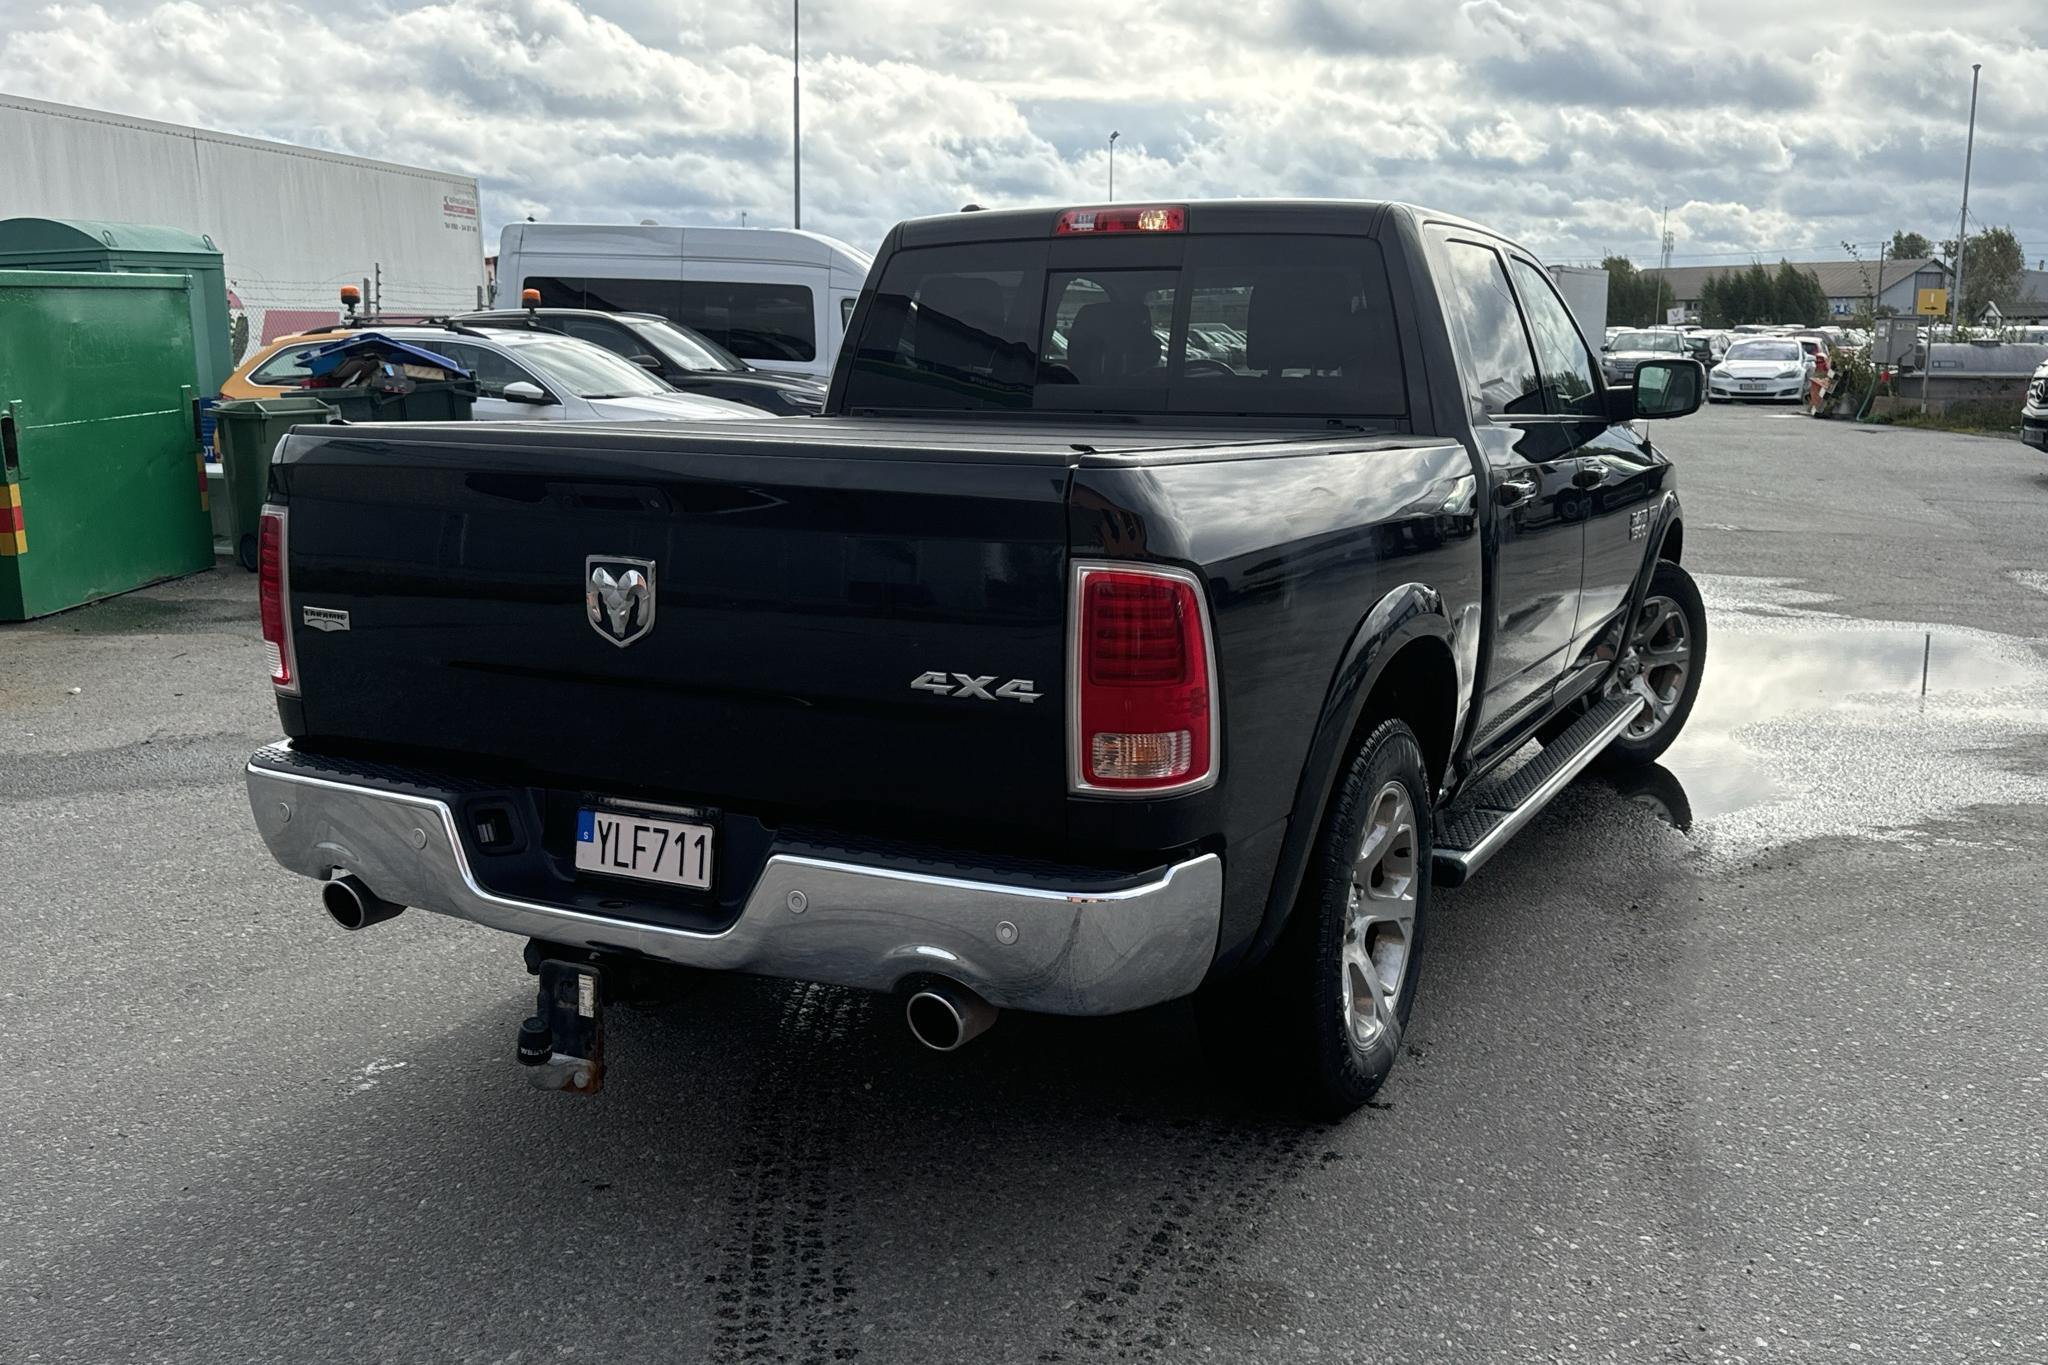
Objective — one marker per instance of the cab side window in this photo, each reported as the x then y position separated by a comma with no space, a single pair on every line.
1562,360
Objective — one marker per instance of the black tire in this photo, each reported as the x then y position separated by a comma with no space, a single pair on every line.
245,552
1674,584
1289,1025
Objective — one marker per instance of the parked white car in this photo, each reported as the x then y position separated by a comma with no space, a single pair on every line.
1765,369
2034,416
542,376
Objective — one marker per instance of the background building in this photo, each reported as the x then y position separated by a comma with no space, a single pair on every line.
292,224
1848,284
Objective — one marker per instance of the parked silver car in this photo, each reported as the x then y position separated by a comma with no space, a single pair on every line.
1620,356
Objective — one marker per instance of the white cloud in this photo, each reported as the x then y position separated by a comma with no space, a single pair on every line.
1765,127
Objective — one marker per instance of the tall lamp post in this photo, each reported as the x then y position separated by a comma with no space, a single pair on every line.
1113,136
1963,223
796,113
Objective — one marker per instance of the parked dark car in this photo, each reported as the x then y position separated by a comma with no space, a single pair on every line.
685,358
1071,676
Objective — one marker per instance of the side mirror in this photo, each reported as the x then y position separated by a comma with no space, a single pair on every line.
648,362
521,391
1669,388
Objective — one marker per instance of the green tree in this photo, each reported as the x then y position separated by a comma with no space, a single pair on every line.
238,338
1992,266
1759,299
1635,298
1910,246
1713,302
1796,296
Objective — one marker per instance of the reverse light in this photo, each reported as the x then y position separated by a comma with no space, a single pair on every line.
273,592
1141,682
1123,218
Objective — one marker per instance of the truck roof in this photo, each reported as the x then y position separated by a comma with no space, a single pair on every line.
1203,216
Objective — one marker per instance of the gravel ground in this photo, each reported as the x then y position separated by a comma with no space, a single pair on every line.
1747,1061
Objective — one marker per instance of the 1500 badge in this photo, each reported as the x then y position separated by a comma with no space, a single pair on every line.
1639,523
961,685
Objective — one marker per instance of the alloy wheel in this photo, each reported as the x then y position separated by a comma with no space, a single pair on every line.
1657,664
1379,929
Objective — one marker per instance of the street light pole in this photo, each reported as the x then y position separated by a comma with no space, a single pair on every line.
1963,223
796,113
1113,136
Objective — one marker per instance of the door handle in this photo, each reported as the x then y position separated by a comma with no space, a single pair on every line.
1589,477
1515,492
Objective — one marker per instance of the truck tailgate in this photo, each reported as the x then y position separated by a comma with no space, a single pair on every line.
796,595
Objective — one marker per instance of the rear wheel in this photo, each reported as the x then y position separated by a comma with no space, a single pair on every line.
1323,1016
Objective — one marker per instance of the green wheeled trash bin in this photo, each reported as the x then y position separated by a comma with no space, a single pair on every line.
248,430
430,400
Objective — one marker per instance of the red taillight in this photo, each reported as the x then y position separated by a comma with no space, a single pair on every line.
270,591
1144,710
1123,218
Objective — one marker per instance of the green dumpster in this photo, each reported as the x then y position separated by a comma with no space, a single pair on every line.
135,248
102,483
248,430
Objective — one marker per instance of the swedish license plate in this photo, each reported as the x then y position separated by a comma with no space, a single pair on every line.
1752,388
626,844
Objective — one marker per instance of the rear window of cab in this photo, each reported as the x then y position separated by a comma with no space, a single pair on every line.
1249,325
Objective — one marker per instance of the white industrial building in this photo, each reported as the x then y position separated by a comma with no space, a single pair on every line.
293,225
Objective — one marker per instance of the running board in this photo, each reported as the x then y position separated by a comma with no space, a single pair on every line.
1483,821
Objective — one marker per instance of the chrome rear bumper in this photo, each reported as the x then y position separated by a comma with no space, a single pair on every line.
1029,947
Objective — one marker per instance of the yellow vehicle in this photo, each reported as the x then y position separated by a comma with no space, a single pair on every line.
270,369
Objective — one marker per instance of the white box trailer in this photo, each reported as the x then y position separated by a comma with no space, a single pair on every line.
1585,293
293,225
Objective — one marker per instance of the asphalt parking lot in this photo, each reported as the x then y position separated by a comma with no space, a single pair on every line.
1747,1061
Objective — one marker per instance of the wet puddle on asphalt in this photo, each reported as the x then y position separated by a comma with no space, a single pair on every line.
1809,723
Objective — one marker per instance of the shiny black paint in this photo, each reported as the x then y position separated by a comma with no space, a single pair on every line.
819,566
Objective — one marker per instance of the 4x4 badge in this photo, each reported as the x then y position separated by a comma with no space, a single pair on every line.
618,597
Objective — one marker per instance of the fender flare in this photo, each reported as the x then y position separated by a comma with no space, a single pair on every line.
1410,612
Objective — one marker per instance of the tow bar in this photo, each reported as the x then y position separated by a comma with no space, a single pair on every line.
563,1040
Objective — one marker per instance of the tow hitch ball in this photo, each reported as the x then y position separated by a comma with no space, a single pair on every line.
563,1040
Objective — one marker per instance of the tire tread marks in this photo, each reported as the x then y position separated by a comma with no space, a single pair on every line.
785,1291
1196,1230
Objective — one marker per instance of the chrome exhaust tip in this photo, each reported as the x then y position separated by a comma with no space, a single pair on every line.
946,1016
353,905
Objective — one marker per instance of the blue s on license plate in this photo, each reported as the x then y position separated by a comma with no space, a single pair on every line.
628,844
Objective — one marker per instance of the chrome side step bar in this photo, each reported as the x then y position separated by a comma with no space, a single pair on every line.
1483,821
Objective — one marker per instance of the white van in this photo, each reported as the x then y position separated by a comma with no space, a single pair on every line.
776,297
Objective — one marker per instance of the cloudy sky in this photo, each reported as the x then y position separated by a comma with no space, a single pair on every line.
1768,127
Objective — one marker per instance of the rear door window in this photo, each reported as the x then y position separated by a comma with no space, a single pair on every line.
753,320
1486,327
609,335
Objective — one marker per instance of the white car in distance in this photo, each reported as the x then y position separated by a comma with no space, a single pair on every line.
1761,369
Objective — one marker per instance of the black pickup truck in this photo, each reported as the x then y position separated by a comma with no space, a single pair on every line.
1167,596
